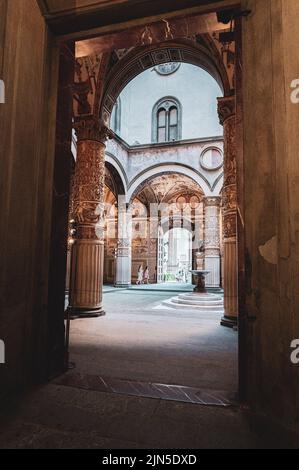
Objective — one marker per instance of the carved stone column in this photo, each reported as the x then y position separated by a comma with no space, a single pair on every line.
227,115
124,246
172,252
86,283
212,240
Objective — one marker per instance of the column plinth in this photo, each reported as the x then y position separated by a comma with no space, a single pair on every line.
226,109
86,280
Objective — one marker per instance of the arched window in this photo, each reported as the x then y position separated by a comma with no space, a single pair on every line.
116,117
167,121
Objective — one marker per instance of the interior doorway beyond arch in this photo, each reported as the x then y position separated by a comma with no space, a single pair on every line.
177,255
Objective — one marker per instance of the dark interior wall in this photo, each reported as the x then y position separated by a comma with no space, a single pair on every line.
271,142
27,138
63,167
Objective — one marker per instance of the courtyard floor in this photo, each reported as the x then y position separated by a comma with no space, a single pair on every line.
138,341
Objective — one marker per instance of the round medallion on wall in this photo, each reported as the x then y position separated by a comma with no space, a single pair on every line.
211,158
181,202
194,202
168,68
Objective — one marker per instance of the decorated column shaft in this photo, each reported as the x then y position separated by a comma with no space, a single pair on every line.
212,240
227,115
123,271
86,282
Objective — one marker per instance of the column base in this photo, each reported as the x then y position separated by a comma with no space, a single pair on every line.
229,322
122,285
75,313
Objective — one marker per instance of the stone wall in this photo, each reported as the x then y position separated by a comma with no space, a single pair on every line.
195,90
135,162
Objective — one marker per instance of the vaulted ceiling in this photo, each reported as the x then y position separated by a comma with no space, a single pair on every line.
166,188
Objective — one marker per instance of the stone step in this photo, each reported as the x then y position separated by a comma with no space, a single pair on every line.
172,303
201,297
209,305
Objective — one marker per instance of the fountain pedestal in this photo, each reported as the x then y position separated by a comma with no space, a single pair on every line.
200,275
199,299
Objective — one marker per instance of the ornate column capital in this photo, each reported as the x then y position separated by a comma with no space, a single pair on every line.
226,108
212,201
90,128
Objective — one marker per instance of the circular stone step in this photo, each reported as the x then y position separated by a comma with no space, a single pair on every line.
211,304
174,303
201,297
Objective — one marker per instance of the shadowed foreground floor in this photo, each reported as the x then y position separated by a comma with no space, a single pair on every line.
65,417
137,340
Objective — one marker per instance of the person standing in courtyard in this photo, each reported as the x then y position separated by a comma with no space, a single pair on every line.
146,276
140,275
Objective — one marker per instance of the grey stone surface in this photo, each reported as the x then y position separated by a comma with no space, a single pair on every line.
135,342
57,417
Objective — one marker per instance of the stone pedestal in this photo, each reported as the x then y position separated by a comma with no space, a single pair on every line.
226,109
123,258
86,282
212,240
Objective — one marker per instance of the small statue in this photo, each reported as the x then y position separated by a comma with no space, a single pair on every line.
200,256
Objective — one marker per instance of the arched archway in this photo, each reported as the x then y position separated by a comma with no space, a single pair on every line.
171,200
177,255
141,177
148,175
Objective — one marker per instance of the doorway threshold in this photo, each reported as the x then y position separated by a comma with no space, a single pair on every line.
158,391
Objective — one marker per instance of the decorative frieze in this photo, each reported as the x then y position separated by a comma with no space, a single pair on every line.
226,110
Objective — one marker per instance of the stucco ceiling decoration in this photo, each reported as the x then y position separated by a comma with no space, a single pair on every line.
109,198
109,181
167,188
141,59
113,180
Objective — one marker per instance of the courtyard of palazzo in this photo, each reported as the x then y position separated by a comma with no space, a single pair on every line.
106,401
149,242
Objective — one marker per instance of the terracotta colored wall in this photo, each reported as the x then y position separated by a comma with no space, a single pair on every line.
271,142
27,122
